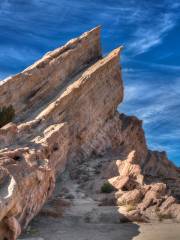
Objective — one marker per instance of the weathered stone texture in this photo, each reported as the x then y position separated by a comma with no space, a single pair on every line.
65,108
42,79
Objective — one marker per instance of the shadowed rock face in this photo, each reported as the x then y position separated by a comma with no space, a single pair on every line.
65,106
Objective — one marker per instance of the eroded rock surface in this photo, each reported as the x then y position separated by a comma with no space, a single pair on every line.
66,116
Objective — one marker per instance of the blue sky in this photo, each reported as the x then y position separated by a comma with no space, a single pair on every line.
149,30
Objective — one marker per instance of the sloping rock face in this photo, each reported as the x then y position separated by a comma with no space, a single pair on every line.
65,113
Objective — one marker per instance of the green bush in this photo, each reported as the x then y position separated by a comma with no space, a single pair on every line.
6,115
107,188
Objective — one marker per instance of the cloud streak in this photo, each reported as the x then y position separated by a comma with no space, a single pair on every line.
152,34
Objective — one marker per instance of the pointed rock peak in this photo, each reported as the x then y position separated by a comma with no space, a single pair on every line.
96,29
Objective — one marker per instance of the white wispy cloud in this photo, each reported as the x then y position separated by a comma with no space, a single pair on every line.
151,102
174,135
169,148
152,34
150,65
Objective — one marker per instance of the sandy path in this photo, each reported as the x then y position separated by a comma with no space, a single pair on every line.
159,231
64,230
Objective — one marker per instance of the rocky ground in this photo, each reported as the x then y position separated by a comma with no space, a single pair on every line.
79,210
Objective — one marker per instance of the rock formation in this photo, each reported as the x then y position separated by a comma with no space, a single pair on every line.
65,115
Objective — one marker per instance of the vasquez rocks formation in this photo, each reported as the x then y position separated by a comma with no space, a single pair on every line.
65,114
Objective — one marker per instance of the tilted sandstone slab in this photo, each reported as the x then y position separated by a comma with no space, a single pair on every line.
65,111
32,153
46,76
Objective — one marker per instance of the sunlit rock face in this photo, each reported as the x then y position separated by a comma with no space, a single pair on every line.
65,111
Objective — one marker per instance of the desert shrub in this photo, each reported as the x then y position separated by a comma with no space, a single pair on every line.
6,115
107,188
162,216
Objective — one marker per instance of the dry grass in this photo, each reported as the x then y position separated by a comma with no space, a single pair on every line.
130,207
162,216
6,115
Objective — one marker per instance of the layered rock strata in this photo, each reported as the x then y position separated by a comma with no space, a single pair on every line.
65,113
